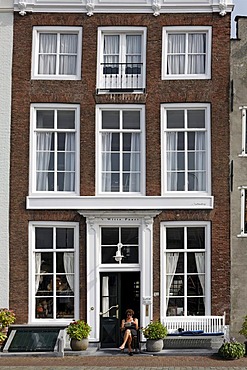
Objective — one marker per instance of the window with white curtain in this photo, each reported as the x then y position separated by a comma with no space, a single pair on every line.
53,275
55,154
186,267
186,148
57,52
186,53
120,149
121,59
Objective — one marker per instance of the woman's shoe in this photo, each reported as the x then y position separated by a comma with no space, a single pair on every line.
130,353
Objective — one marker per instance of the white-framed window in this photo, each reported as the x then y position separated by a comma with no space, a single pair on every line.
186,150
244,132
185,268
186,53
243,232
57,53
120,149
54,153
54,271
121,59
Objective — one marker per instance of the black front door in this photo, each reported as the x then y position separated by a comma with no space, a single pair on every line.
118,291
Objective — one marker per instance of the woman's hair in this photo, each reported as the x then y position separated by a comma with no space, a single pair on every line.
130,311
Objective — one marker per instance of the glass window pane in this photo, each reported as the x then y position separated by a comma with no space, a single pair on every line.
110,236
130,254
65,307
196,118
175,238
43,237
110,119
107,254
175,307
65,119
129,235
115,143
175,119
45,119
44,308
131,119
64,238
196,238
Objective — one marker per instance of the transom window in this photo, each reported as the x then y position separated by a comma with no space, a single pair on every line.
186,52
119,241
121,57
121,150
55,148
244,132
186,148
57,52
186,269
54,250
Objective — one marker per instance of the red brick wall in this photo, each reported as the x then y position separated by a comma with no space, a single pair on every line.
27,91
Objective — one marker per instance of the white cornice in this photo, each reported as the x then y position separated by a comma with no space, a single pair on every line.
155,7
114,203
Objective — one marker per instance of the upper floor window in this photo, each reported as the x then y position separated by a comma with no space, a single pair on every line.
186,53
57,53
121,59
55,149
186,148
120,149
244,132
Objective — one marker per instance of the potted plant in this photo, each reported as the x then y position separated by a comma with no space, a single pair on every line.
78,332
155,332
7,317
243,332
231,350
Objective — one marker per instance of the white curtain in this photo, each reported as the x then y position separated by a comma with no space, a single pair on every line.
171,265
176,54
68,54
172,161
68,261
196,53
106,161
133,50
37,270
134,181
200,264
111,50
43,160
105,295
69,163
199,161
47,53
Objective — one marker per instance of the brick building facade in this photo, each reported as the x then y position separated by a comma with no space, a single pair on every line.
119,190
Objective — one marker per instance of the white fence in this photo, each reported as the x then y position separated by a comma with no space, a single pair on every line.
209,324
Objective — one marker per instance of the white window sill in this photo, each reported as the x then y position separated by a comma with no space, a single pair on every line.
117,202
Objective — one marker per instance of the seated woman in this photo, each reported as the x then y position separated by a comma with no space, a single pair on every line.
130,327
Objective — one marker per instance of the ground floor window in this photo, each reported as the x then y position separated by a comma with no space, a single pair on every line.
186,268
54,249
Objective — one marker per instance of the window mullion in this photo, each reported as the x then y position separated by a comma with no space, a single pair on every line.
186,177
121,153
185,271
186,53
58,54
55,150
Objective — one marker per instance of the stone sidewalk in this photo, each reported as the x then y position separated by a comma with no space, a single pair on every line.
119,361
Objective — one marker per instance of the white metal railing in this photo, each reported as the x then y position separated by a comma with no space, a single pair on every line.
209,324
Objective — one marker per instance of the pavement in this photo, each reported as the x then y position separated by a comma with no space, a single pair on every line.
115,360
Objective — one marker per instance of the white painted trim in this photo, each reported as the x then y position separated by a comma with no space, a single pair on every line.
187,194
6,49
125,107
104,203
95,220
186,29
31,265
32,153
207,226
124,6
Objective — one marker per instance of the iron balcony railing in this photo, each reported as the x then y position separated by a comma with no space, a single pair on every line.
127,77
